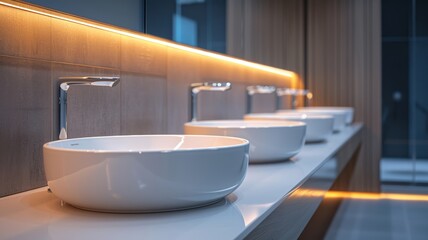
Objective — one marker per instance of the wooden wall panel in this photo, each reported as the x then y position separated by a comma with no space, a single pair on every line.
340,64
25,122
235,27
273,32
237,97
141,96
143,57
73,43
180,75
17,27
344,65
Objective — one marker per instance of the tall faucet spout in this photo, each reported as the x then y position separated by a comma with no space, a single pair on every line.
293,93
195,88
64,85
258,89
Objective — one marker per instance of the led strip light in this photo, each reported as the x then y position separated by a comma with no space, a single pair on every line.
281,72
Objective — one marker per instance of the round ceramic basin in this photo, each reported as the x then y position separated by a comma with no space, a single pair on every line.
147,173
270,141
348,110
318,127
338,115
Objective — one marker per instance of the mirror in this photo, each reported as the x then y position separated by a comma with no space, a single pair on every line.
199,23
127,14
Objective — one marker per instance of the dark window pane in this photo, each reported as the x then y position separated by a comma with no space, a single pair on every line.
395,99
192,22
420,98
396,18
126,13
421,18
160,15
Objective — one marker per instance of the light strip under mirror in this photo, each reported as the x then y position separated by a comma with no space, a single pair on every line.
288,74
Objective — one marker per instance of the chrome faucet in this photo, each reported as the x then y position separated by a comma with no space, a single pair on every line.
195,88
64,85
293,92
259,89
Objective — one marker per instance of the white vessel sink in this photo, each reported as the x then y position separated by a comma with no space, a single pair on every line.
318,127
338,115
348,110
270,141
147,173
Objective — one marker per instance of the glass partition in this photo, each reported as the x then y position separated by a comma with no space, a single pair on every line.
405,86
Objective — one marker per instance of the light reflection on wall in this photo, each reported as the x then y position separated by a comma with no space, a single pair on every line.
287,75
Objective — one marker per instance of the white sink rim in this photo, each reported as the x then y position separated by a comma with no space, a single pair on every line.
291,115
319,126
52,144
278,142
133,181
348,110
340,116
237,124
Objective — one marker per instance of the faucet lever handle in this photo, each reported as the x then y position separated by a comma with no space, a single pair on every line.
262,89
104,81
293,92
210,86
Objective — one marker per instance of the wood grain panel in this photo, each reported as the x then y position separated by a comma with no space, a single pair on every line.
92,111
213,105
264,103
235,27
25,123
368,96
143,57
183,69
344,70
141,98
236,97
24,34
274,35
74,43
217,70
273,31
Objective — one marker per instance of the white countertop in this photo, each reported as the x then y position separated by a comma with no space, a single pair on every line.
38,214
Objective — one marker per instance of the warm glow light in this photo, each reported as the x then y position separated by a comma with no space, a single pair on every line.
376,196
363,195
282,72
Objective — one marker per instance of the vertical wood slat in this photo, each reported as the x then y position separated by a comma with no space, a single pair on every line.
349,74
273,32
343,60
25,122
